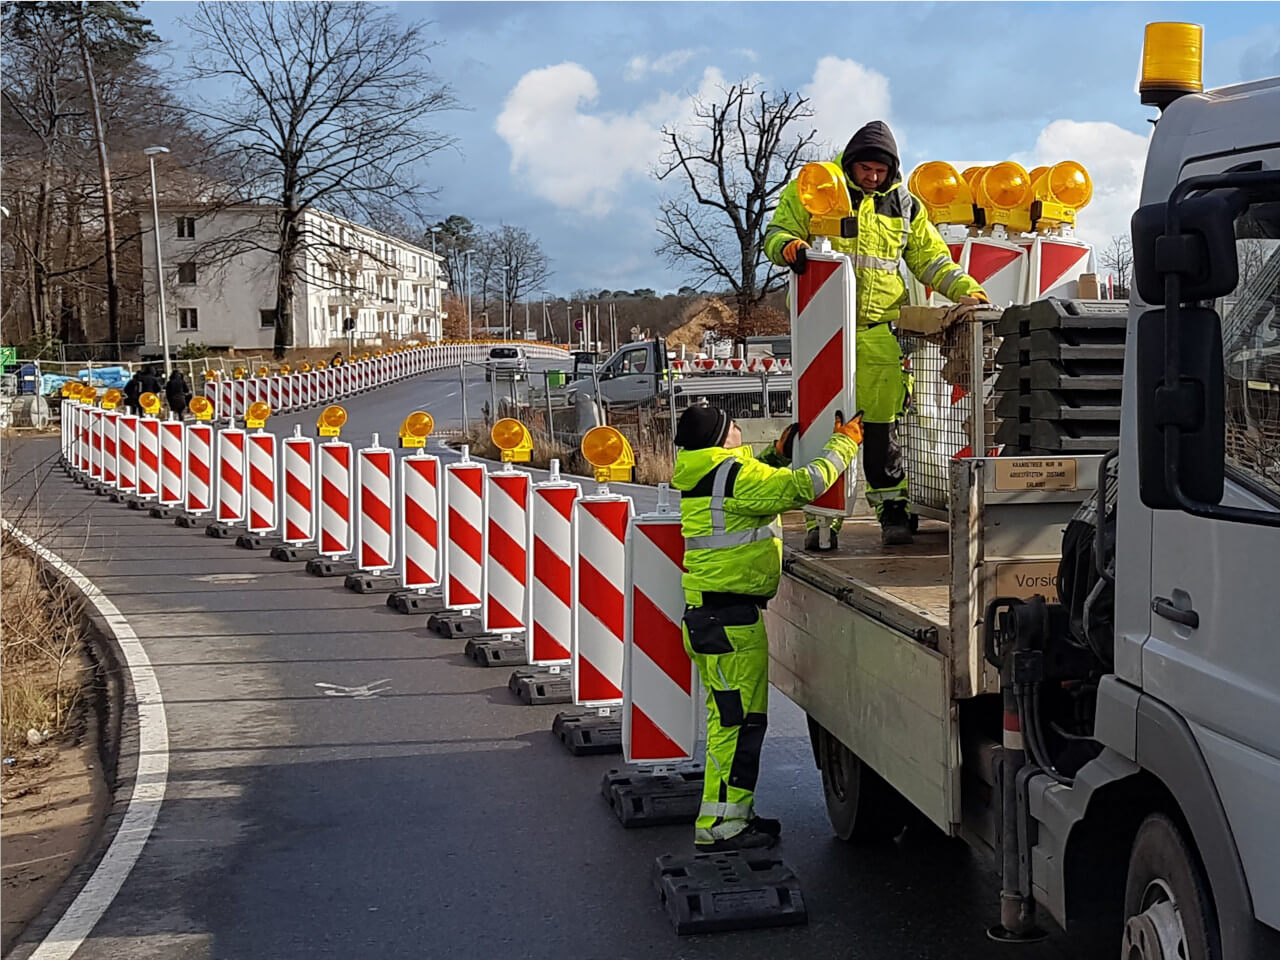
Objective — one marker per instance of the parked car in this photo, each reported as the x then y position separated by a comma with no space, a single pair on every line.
506,362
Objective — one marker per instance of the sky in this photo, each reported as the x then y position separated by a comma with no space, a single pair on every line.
564,101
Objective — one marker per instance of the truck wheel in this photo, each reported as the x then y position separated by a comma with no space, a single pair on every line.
1168,913
861,806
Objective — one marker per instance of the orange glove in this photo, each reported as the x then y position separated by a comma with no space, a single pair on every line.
974,299
784,446
852,429
794,253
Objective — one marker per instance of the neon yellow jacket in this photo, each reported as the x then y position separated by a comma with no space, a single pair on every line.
893,226
729,506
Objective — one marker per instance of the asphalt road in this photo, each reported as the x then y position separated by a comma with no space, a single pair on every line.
439,818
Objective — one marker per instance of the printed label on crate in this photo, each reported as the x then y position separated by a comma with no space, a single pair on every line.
1025,578
1038,474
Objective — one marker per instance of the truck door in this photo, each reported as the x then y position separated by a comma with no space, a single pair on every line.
1214,649
631,377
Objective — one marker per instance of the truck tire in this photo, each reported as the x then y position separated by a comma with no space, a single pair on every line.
1168,910
861,806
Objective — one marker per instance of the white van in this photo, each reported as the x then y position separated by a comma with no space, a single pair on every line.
506,362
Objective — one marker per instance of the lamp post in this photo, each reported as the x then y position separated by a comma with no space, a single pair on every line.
435,286
151,153
466,259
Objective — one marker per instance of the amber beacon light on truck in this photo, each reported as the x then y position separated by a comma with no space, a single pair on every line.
1172,62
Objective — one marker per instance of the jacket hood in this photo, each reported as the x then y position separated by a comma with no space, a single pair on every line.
692,465
874,138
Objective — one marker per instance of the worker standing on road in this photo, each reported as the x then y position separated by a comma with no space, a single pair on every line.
892,227
729,506
177,393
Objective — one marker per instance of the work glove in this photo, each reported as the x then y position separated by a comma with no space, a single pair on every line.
964,307
851,429
794,253
785,445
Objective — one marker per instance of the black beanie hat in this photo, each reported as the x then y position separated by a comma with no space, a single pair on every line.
701,426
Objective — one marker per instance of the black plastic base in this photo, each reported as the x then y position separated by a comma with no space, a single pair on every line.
164,513
256,541
455,625
324,567
222,531
538,685
411,601
134,503
118,496
718,892
585,733
289,554
187,521
496,652
1001,935
647,798
361,582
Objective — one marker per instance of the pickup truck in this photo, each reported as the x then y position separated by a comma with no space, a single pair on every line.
1078,674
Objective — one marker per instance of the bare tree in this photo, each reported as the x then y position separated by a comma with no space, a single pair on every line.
731,163
1117,259
511,264
330,108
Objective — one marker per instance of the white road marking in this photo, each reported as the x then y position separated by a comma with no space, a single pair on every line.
227,578
149,783
366,691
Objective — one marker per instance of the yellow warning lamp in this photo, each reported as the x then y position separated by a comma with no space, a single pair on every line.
609,452
945,193
335,362
304,367
352,359
150,403
331,419
111,399
212,374
70,390
264,370
364,356
201,408
321,365
824,193
257,414
416,428
513,439
1059,193
238,373
285,369
1003,191
1172,62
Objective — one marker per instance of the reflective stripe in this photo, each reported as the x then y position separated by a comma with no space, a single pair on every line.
740,538
936,266
908,210
862,261
717,495
833,457
959,275
886,495
733,811
816,477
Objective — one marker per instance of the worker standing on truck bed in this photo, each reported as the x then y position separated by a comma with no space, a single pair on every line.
892,226
729,506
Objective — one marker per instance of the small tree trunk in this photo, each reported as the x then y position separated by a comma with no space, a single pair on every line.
284,287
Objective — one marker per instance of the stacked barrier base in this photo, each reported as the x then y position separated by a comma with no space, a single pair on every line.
589,731
739,890
654,797
490,651
540,685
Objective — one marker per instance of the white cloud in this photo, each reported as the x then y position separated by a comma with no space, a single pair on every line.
747,54
844,95
577,158
668,63
1114,158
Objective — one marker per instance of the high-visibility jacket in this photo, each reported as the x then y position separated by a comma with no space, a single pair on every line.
729,506
893,227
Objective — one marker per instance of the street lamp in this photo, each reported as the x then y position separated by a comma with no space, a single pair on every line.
471,335
151,153
435,285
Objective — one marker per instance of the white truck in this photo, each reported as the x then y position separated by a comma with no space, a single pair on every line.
1080,674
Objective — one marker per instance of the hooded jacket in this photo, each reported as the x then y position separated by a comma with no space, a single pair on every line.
893,227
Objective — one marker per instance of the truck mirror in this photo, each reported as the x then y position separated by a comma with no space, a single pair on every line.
1203,252
1181,426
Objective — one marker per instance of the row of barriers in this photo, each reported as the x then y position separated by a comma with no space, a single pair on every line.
578,579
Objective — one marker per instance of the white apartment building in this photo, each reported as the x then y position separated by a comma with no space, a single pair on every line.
220,281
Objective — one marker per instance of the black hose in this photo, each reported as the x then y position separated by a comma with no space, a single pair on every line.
1028,715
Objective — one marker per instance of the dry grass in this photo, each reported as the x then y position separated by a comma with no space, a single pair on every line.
40,652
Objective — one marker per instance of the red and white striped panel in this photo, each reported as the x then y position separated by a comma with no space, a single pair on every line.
335,498
171,463
736,365
198,473
364,373
240,398
463,534
1055,267
110,419
822,347
659,718
85,443
1000,266
299,489
550,641
127,452
420,522
376,549
231,455
262,482
95,443
506,556
226,399
680,366
148,457
599,611
273,394
213,394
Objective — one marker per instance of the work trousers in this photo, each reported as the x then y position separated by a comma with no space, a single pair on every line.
727,644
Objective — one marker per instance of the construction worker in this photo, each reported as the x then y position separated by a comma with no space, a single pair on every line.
729,506
892,226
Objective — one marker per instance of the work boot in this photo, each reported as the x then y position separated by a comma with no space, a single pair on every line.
834,543
895,524
760,833
811,540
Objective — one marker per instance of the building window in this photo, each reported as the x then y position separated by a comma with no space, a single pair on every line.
187,272
187,319
266,319
186,228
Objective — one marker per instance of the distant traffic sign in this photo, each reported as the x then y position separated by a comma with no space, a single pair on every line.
577,324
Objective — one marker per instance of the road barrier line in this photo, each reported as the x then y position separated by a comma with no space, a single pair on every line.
550,639
420,522
299,489
376,551
599,607
335,498
506,565
231,455
464,512
261,464
198,471
170,475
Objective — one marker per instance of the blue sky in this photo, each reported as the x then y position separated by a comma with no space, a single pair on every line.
564,101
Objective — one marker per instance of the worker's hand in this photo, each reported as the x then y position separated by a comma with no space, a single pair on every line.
974,299
794,254
785,444
964,308
851,429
